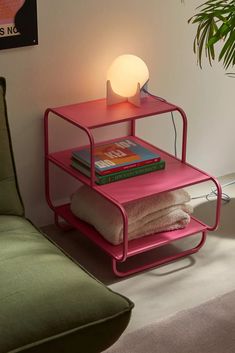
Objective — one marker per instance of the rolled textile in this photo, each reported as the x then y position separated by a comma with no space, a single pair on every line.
165,211
170,218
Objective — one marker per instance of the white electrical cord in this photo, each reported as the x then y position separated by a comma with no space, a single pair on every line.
211,195
172,117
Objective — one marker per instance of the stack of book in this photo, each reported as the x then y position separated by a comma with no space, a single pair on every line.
118,160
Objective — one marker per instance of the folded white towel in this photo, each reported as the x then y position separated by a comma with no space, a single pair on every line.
173,217
165,211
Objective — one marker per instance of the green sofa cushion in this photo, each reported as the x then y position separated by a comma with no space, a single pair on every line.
10,200
47,302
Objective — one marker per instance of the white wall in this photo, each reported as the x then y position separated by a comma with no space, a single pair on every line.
78,39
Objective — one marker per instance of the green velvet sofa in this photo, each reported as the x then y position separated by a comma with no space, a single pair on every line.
48,303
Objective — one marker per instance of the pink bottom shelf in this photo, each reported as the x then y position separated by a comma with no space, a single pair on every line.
135,246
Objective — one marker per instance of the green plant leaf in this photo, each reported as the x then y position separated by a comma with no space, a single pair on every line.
215,23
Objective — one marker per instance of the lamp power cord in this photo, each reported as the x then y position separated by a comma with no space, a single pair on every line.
172,117
214,194
211,195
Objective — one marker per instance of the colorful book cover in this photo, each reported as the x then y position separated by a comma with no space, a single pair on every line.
124,174
120,155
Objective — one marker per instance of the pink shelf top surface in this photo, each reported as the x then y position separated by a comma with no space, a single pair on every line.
135,246
96,113
175,175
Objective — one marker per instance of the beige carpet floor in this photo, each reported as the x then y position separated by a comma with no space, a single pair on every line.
207,328
184,284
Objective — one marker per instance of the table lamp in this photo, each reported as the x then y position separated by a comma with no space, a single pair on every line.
125,78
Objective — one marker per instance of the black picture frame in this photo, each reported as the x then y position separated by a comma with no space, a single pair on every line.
23,31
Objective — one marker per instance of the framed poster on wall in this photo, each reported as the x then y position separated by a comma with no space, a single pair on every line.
18,23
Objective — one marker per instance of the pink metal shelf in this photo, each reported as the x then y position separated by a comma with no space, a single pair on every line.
177,174
96,113
135,246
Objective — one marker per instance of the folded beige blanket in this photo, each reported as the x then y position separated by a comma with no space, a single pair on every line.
157,213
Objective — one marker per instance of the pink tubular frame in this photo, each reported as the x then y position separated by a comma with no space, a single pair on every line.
159,262
125,245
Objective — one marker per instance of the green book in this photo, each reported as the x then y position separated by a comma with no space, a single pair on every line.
124,174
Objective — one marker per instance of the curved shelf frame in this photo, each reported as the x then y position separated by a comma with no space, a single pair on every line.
124,251
160,262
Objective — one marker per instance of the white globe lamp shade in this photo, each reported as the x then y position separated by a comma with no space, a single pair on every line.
125,73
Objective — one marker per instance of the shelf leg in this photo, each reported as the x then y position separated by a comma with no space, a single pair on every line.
62,225
159,262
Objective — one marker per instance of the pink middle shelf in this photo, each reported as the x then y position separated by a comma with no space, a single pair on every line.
175,175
